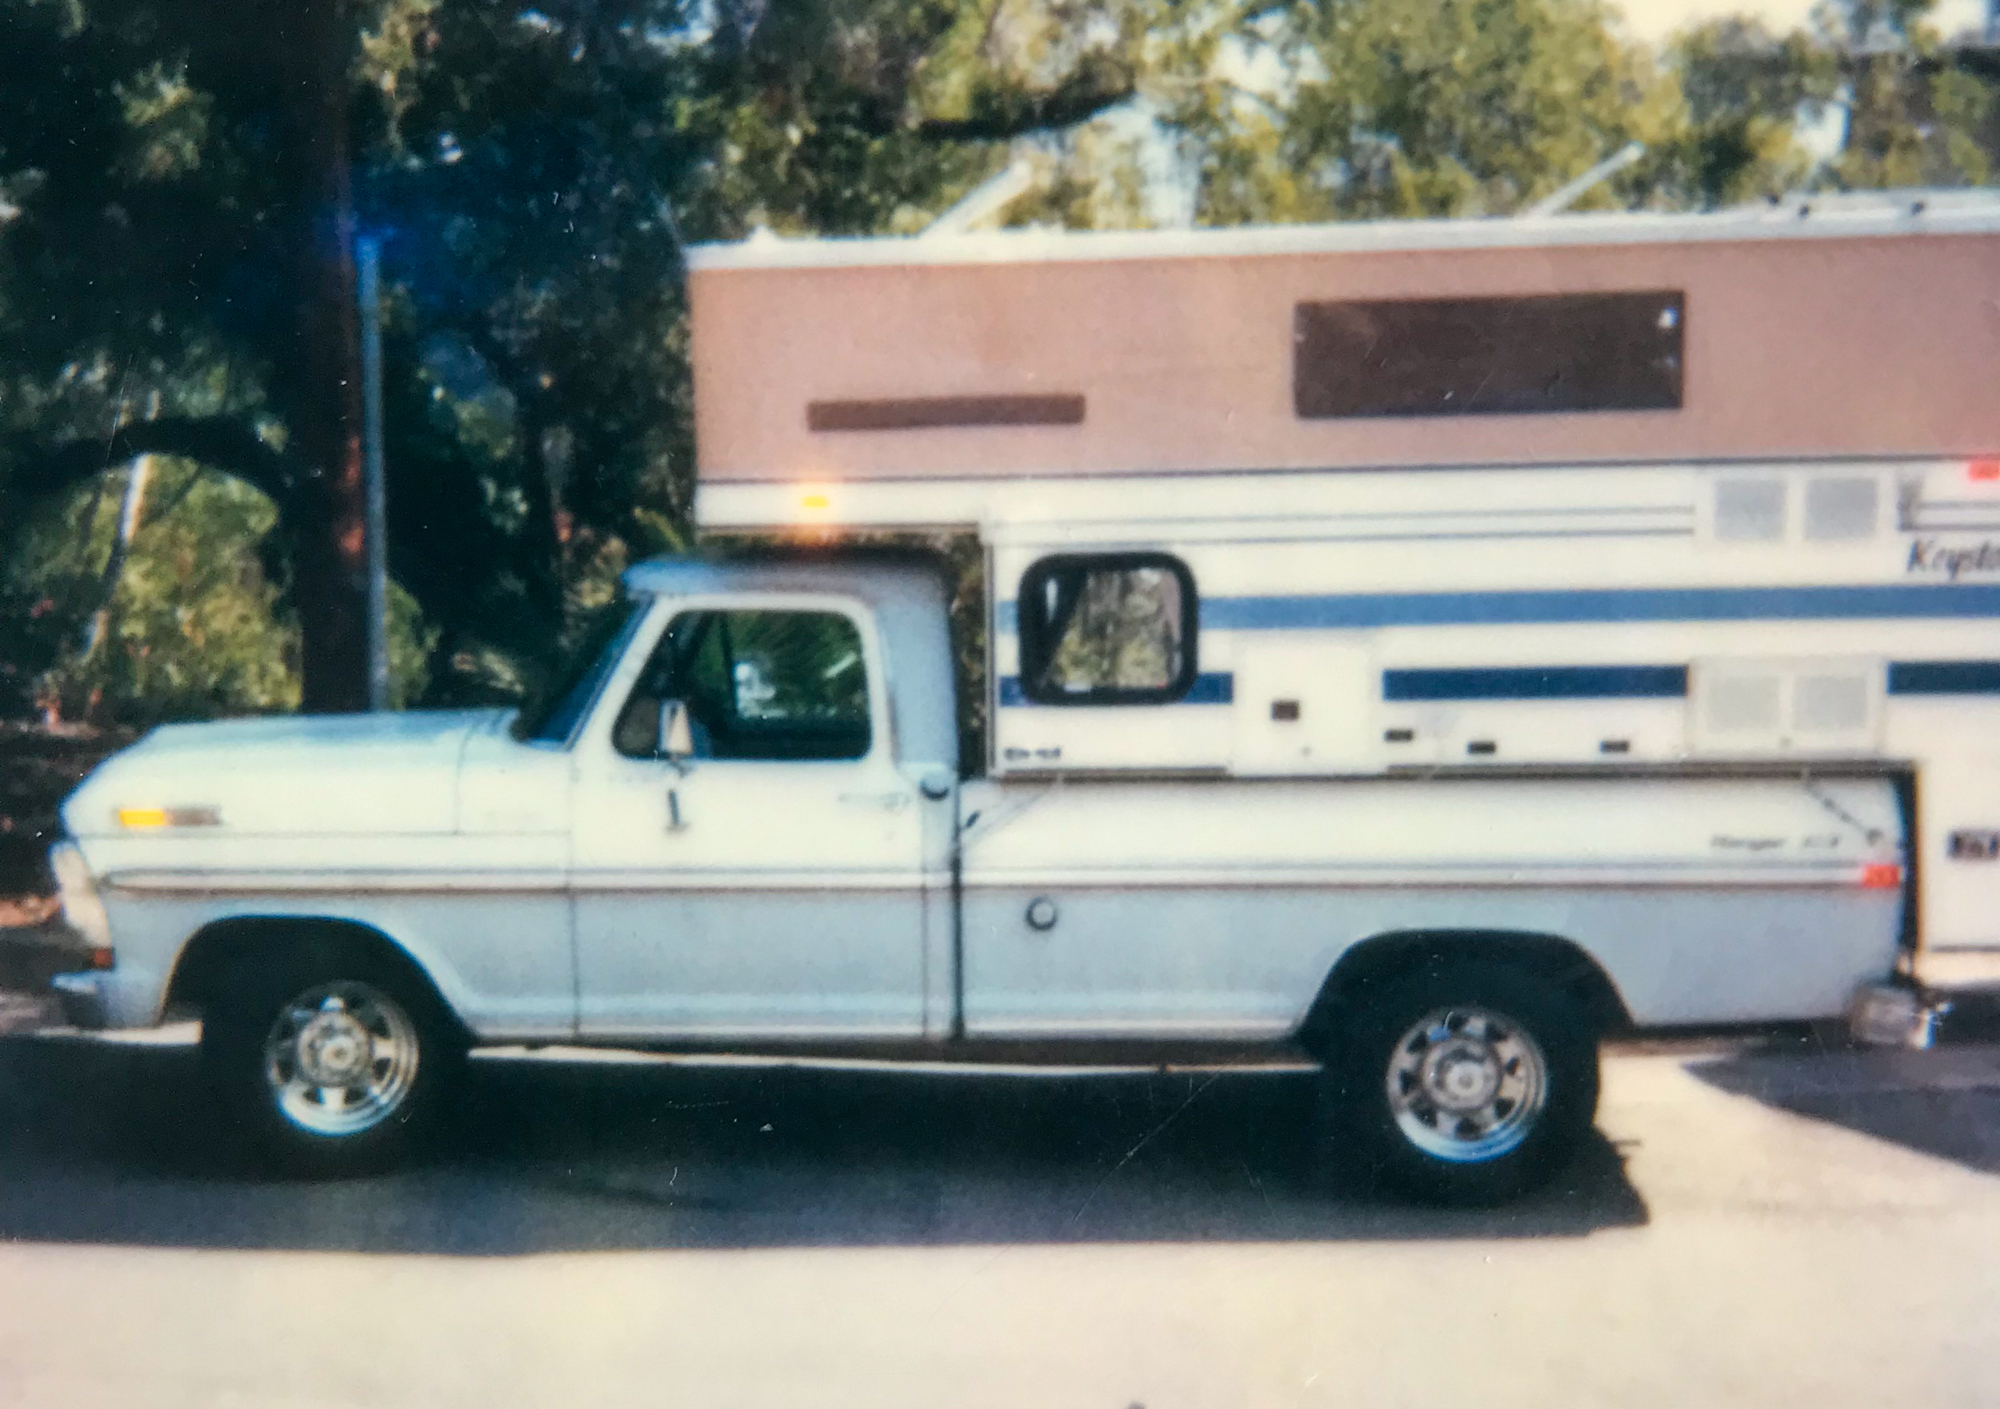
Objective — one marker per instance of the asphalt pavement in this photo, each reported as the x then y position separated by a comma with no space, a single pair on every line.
1751,1227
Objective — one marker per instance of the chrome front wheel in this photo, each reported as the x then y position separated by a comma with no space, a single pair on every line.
335,1060
341,1058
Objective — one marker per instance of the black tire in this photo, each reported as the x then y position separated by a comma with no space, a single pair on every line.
1508,1016
253,1046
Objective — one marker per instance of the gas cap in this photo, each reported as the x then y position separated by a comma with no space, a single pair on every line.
1041,913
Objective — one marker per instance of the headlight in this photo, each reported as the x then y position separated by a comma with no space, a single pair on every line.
81,906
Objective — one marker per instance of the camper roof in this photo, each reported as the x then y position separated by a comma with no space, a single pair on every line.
1846,215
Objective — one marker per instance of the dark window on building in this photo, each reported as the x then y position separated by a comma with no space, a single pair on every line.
1110,628
1489,356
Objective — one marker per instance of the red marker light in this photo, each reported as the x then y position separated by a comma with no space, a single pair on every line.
1983,469
1881,875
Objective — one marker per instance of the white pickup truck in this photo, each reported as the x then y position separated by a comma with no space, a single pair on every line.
1424,645
742,825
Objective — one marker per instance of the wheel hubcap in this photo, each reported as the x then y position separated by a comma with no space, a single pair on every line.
341,1058
1465,1084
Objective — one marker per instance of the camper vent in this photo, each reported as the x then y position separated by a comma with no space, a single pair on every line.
1830,703
1749,510
1759,509
1842,508
1743,704
1758,707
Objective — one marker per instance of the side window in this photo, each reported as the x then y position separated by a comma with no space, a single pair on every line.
758,685
1111,628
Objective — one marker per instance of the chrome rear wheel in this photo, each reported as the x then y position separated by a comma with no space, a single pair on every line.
1464,1081
1466,1084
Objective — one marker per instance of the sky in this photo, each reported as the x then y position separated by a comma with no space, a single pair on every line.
1655,19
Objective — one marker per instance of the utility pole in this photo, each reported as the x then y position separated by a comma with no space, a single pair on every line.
368,255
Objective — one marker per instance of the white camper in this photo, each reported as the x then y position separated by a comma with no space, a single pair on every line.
1624,495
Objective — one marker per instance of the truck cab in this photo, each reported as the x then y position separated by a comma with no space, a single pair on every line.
740,824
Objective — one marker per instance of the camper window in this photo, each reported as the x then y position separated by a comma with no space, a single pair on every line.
1113,628
1489,356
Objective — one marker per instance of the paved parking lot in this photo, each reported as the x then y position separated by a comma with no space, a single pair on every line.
1770,1227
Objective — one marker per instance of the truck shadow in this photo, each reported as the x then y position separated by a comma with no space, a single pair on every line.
116,1144
1943,1102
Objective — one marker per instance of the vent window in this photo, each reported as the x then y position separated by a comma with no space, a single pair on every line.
1840,509
1743,704
1830,704
1749,510
1752,707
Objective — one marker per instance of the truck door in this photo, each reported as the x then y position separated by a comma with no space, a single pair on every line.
770,885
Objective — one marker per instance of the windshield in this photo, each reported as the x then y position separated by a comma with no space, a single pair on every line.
552,713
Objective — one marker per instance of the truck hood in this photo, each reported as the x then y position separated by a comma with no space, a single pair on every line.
321,774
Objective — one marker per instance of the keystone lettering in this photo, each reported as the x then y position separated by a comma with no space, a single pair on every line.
1927,555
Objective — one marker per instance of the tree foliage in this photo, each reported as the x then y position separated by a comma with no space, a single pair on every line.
534,172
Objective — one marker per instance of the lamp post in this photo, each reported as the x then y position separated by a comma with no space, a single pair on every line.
368,256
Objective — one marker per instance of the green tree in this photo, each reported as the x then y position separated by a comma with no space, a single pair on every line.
1912,110
1917,115
1395,108
170,236
1745,91
190,625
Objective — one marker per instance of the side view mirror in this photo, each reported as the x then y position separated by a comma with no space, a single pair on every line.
675,741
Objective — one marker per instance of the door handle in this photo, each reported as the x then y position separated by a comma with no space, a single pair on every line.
888,802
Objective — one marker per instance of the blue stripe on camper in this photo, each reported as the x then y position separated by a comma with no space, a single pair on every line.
1547,607
1579,682
1608,605
1552,682
1594,682
1209,688
1944,677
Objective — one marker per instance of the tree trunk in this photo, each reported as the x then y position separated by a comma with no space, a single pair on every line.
329,567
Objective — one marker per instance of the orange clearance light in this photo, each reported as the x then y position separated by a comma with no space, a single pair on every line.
814,501
1881,875
145,818
1983,470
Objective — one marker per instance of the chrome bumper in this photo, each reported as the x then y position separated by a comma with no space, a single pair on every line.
1894,1015
84,1002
